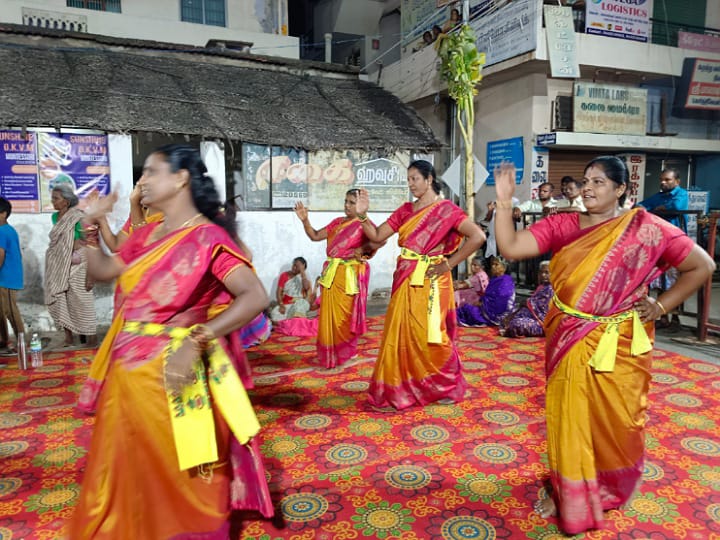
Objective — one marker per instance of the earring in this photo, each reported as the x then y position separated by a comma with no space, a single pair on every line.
180,185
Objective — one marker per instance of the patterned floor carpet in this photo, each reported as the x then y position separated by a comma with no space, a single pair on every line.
341,470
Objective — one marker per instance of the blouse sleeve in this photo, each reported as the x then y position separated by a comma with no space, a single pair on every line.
677,244
397,218
226,262
551,232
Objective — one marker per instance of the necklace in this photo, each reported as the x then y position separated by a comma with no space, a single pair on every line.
189,221
160,231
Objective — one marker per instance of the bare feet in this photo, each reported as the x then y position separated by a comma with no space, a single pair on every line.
545,508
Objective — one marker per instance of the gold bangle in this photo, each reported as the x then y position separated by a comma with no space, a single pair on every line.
362,218
661,307
507,205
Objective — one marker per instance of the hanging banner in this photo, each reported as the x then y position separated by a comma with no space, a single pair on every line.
560,32
625,19
18,171
605,108
78,160
334,173
635,163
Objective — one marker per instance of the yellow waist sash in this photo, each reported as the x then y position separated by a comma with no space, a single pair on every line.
351,277
604,357
417,279
191,412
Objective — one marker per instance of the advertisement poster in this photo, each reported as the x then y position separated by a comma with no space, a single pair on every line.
18,171
510,150
605,108
256,169
508,31
289,176
704,87
636,171
619,18
560,32
385,177
79,160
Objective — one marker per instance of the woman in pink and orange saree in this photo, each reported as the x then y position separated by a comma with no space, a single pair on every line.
599,334
418,362
344,281
173,449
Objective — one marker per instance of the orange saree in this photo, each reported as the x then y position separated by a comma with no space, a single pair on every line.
597,387
418,362
345,283
133,487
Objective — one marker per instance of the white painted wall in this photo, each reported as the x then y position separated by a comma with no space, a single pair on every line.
159,20
276,238
712,14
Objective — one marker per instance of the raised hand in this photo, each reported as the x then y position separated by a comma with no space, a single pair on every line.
504,176
98,206
363,202
301,211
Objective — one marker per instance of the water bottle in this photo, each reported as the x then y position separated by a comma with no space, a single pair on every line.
36,359
21,351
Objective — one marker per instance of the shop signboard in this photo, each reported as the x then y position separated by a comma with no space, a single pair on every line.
333,173
699,42
508,31
506,150
562,49
704,86
78,160
18,170
625,19
636,163
540,169
605,108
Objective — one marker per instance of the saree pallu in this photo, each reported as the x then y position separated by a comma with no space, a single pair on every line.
411,369
133,487
595,419
345,283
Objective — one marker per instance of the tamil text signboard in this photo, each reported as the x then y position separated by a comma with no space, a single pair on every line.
605,108
704,86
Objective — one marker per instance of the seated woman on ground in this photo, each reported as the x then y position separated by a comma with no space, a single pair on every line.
527,320
470,290
293,291
498,300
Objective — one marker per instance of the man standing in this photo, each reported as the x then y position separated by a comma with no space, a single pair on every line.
573,202
11,277
544,201
670,198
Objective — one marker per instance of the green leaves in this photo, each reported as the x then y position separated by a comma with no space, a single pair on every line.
461,65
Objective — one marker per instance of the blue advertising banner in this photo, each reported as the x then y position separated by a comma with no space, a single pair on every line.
18,171
79,160
510,150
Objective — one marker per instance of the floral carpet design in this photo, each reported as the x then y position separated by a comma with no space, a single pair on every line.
339,469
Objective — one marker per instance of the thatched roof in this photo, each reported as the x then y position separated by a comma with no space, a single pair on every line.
85,83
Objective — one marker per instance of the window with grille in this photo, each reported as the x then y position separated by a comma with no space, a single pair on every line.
112,6
210,12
